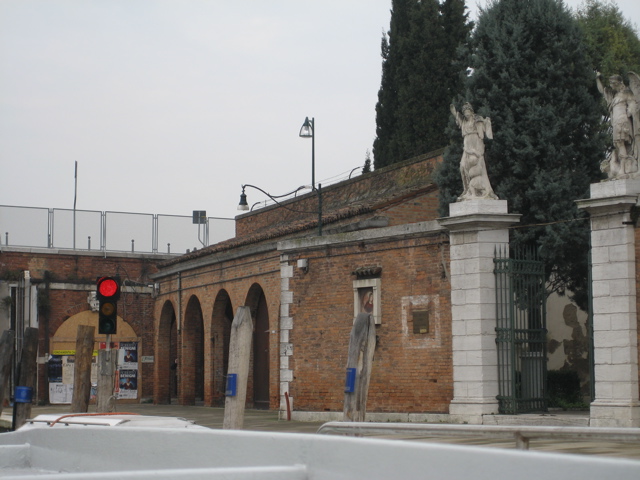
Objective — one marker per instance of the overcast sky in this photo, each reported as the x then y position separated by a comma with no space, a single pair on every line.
169,106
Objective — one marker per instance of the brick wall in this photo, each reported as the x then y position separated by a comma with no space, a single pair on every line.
363,192
79,272
412,372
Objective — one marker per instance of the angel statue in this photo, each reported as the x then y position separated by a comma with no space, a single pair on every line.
624,111
472,167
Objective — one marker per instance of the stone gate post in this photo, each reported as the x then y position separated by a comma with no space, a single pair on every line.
476,228
615,320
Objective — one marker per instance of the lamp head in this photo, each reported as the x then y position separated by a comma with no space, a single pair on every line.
307,128
243,205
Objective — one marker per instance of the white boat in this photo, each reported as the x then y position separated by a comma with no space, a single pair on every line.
108,420
123,447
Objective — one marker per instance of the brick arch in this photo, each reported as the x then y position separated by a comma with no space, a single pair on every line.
257,302
221,319
66,334
166,354
191,362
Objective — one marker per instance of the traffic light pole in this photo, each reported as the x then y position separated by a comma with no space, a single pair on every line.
105,401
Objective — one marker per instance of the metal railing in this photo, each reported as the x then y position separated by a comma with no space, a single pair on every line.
521,434
521,331
109,231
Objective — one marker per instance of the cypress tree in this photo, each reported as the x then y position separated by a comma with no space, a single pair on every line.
419,76
612,41
532,77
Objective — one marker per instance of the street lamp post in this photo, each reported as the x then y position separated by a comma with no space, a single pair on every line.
244,206
308,130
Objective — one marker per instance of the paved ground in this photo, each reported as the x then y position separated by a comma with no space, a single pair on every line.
261,420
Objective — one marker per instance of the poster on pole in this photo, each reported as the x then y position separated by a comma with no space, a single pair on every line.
127,386
60,373
128,355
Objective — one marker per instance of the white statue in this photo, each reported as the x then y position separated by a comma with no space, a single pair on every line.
624,111
472,167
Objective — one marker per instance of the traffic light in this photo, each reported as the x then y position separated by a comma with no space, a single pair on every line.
108,293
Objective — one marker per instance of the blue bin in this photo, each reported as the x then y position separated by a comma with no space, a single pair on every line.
23,395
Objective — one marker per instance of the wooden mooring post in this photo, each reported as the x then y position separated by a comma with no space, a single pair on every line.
6,356
105,399
238,371
362,345
82,369
26,376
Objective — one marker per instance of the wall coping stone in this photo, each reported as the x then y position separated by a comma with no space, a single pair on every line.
362,235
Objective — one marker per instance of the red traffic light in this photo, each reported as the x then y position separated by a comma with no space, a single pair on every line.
108,288
107,294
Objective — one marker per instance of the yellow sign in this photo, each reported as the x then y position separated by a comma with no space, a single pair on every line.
70,352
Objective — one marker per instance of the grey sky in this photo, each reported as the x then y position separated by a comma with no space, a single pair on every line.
178,103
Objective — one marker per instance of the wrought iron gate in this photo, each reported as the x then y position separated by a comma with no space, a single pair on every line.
521,331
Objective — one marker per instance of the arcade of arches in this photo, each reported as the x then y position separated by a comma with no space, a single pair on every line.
192,347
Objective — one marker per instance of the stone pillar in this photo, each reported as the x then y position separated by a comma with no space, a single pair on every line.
615,320
286,347
476,228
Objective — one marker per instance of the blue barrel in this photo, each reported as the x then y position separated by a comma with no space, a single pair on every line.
23,395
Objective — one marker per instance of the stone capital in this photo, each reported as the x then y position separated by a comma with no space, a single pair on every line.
607,205
478,214
479,222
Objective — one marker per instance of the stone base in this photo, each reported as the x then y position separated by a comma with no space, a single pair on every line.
471,411
369,417
477,206
615,188
613,415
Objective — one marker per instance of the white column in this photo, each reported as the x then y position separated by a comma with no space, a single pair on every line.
476,228
615,320
286,325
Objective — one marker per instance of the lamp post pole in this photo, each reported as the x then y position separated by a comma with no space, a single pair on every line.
313,153
309,130
319,190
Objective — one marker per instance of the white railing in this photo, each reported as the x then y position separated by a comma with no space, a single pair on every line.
521,434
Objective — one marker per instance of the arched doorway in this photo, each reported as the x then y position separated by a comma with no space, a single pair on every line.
258,304
192,359
166,358
63,345
220,334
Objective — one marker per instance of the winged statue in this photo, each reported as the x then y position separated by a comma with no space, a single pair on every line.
474,129
623,103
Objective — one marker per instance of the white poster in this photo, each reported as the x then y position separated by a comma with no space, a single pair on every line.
127,386
60,393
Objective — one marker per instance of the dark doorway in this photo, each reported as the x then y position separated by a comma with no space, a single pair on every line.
166,354
191,371
261,355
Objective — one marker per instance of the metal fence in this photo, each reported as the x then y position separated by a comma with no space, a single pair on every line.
109,231
521,331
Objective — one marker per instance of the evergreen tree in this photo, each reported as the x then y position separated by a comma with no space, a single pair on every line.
367,163
419,76
531,75
612,42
